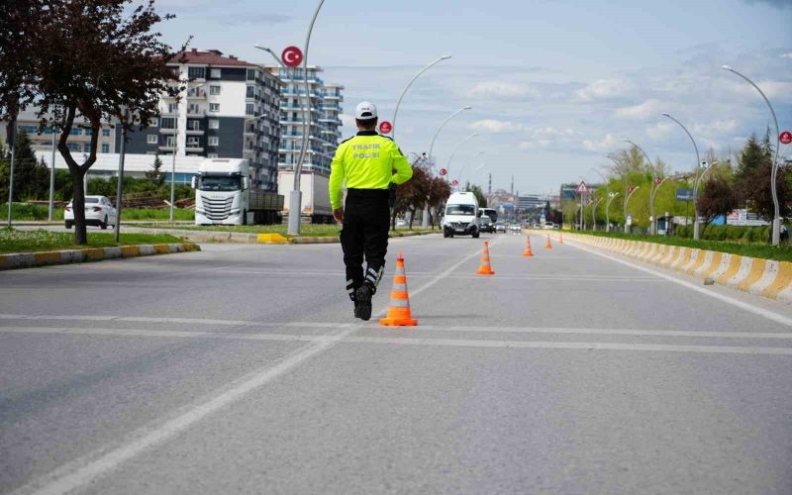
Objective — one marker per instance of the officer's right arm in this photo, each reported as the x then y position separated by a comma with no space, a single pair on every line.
336,177
403,169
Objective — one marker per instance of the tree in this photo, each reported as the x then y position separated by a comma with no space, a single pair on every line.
155,175
753,183
439,192
96,61
31,178
717,199
411,196
476,190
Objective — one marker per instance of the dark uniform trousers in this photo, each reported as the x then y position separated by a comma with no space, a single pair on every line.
365,233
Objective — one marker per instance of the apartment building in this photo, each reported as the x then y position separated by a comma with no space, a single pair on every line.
229,109
79,140
325,108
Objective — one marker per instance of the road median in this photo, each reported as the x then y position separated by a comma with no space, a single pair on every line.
13,261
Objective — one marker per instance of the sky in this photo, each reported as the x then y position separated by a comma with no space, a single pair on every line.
554,85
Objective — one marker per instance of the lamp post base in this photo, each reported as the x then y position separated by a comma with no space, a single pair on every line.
295,201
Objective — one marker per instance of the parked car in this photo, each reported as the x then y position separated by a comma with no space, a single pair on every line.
549,225
500,227
486,225
99,211
400,222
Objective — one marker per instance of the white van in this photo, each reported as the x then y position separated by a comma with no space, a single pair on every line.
461,215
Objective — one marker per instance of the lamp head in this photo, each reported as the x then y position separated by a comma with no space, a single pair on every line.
726,67
445,57
467,108
666,115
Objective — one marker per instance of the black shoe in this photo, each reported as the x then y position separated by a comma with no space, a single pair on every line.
363,303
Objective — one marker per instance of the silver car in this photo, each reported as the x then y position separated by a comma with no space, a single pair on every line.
99,211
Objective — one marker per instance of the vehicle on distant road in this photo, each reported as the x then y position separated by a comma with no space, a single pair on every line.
400,222
486,225
461,215
99,211
549,225
499,227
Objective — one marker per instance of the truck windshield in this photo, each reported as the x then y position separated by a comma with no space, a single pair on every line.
224,183
461,210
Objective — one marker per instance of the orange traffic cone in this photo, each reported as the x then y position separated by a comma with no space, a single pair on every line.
528,251
548,244
399,309
485,268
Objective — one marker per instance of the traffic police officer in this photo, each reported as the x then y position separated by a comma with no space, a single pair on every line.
370,163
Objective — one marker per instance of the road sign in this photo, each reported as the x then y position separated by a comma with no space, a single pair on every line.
385,127
785,137
454,182
443,171
684,194
582,188
292,56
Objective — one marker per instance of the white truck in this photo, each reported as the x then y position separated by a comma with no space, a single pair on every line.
222,192
223,195
315,204
461,215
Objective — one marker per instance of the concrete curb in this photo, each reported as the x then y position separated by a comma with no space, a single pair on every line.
29,260
767,278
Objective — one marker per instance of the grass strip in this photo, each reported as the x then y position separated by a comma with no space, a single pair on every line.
30,241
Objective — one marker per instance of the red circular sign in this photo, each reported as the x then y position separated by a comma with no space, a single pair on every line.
786,137
292,56
443,171
658,181
385,127
454,182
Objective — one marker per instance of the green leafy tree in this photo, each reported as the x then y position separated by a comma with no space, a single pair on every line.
96,60
716,199
476,190
31,177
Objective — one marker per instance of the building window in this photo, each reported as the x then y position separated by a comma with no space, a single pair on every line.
249,109
214,141
170,141
215,73
106,132
212,155
250,92
196,72
154,122
168,123
251,74
193,142
152,139
105,148
214,90
214,107
214,124
87,147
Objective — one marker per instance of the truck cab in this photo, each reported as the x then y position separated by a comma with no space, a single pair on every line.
461,215
222,192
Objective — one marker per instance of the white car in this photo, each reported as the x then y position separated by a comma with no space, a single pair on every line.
99,211
400,222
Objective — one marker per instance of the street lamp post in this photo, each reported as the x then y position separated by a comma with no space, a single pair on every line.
12,144
656,183
120,184
594,213
774,171
611,197
465,166
274,55
448,165
176,146
404,91
425,220
695,189
295,200
653,224
52,176
630,192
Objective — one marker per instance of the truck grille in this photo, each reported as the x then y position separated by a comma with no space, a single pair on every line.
217,209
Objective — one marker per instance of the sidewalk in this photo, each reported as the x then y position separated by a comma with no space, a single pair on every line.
62,257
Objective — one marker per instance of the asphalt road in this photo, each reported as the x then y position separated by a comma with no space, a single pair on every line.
240,369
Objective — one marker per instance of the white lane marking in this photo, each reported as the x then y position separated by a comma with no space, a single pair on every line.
137,332
588,346
83,470
730,300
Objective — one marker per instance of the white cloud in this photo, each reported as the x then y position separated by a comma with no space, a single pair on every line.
608,143
502,89
496,126
649,109
776,91
786,55
661,130
717,127
605,88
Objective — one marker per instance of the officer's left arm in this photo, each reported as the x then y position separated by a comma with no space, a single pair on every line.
336,178
404,171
